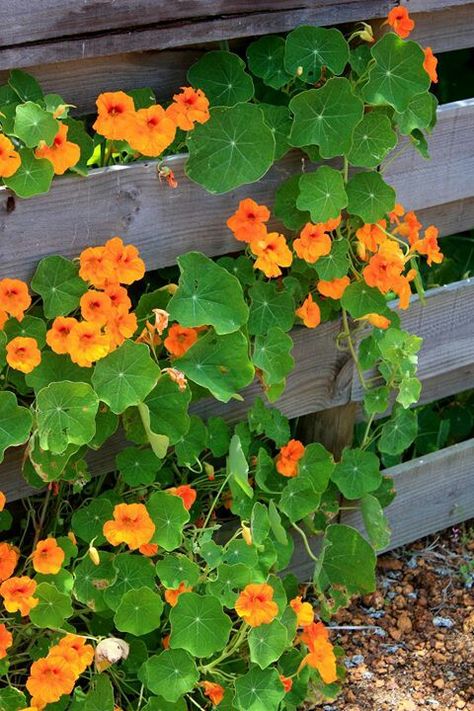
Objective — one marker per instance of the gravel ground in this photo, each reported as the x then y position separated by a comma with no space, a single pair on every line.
418,652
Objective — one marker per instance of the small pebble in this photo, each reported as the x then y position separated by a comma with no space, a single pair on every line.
443,622
412,563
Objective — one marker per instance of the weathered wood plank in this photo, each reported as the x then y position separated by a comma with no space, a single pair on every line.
130,201
446,29
433,492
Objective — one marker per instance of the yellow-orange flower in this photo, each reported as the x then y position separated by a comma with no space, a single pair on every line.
272,252
118,296
47,557
152,131
371,235
397,212
3,500
9,557
6,640
172,594
429,246
333,289
255,604
14,297
50,678
189,107
331,224
83,652
63,154
23,354
400,21
303,610
124,260
87,344
95,267
214,692
321,652
57,337
288,457
186,493
3,318
131,525
312,243
430,64
96,307
248,221
120,326
309,312
180,339
385,267
10,159
376,320
149,550
18,595
409,227
115,115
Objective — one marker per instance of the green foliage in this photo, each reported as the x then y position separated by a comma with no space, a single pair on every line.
66,415
139,612
322,194
222,77
56,280
199,625
15,422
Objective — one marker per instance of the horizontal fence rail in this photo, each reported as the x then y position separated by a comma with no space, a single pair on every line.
131,202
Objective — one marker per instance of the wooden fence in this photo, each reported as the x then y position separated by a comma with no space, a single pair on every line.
53,40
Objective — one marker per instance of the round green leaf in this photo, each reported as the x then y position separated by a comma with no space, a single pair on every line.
267,643
316,466
372,139
335,264
272,354
33,177
139,612
285,208
175,569
270,306
398,432
397,74
219,363
369,196
33,124
222,77
92,580
199,625
409,391
30,326
219,436
326,117
169,674
230,580
346,560
207,295
88,521
191,444
138,467
322,194
375,522
360,300
53,607
134,572
56,280
419,114
100,696
266,57
11,699
66,415
376,400
24,85
270,421
169,516
357,473
126,376
55,368
279,120
15,422
259,690
299,499
311,48
168,409
233,148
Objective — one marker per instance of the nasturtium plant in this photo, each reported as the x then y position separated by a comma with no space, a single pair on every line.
149,570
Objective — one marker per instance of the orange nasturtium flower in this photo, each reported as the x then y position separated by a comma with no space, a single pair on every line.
312,243
131,525
321,652
116,113
397,212
333,289
430,64
429,246
96,307
6,640
309,312
3,500
409,227
288,458
18,595
149,550
14,297
287,683
400,21
303,610
371,235
10,159
186,493
272,252
376,320
57,337
9,557
189,107
124,259
180,339
255,604
63,154
47,557
50,678
95,267
248,221
214,692
118,296
87,344
84,653
385,267
172,594
23,354
120,326
152,132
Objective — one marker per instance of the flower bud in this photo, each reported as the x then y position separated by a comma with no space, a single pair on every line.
246,534
110,651
209,469
299,71
94,555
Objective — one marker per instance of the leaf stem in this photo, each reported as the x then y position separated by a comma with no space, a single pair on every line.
305,541
347,334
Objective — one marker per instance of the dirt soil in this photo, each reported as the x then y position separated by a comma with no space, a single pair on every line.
418,649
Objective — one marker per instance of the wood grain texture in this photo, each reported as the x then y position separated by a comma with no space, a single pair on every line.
446,29
130,201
